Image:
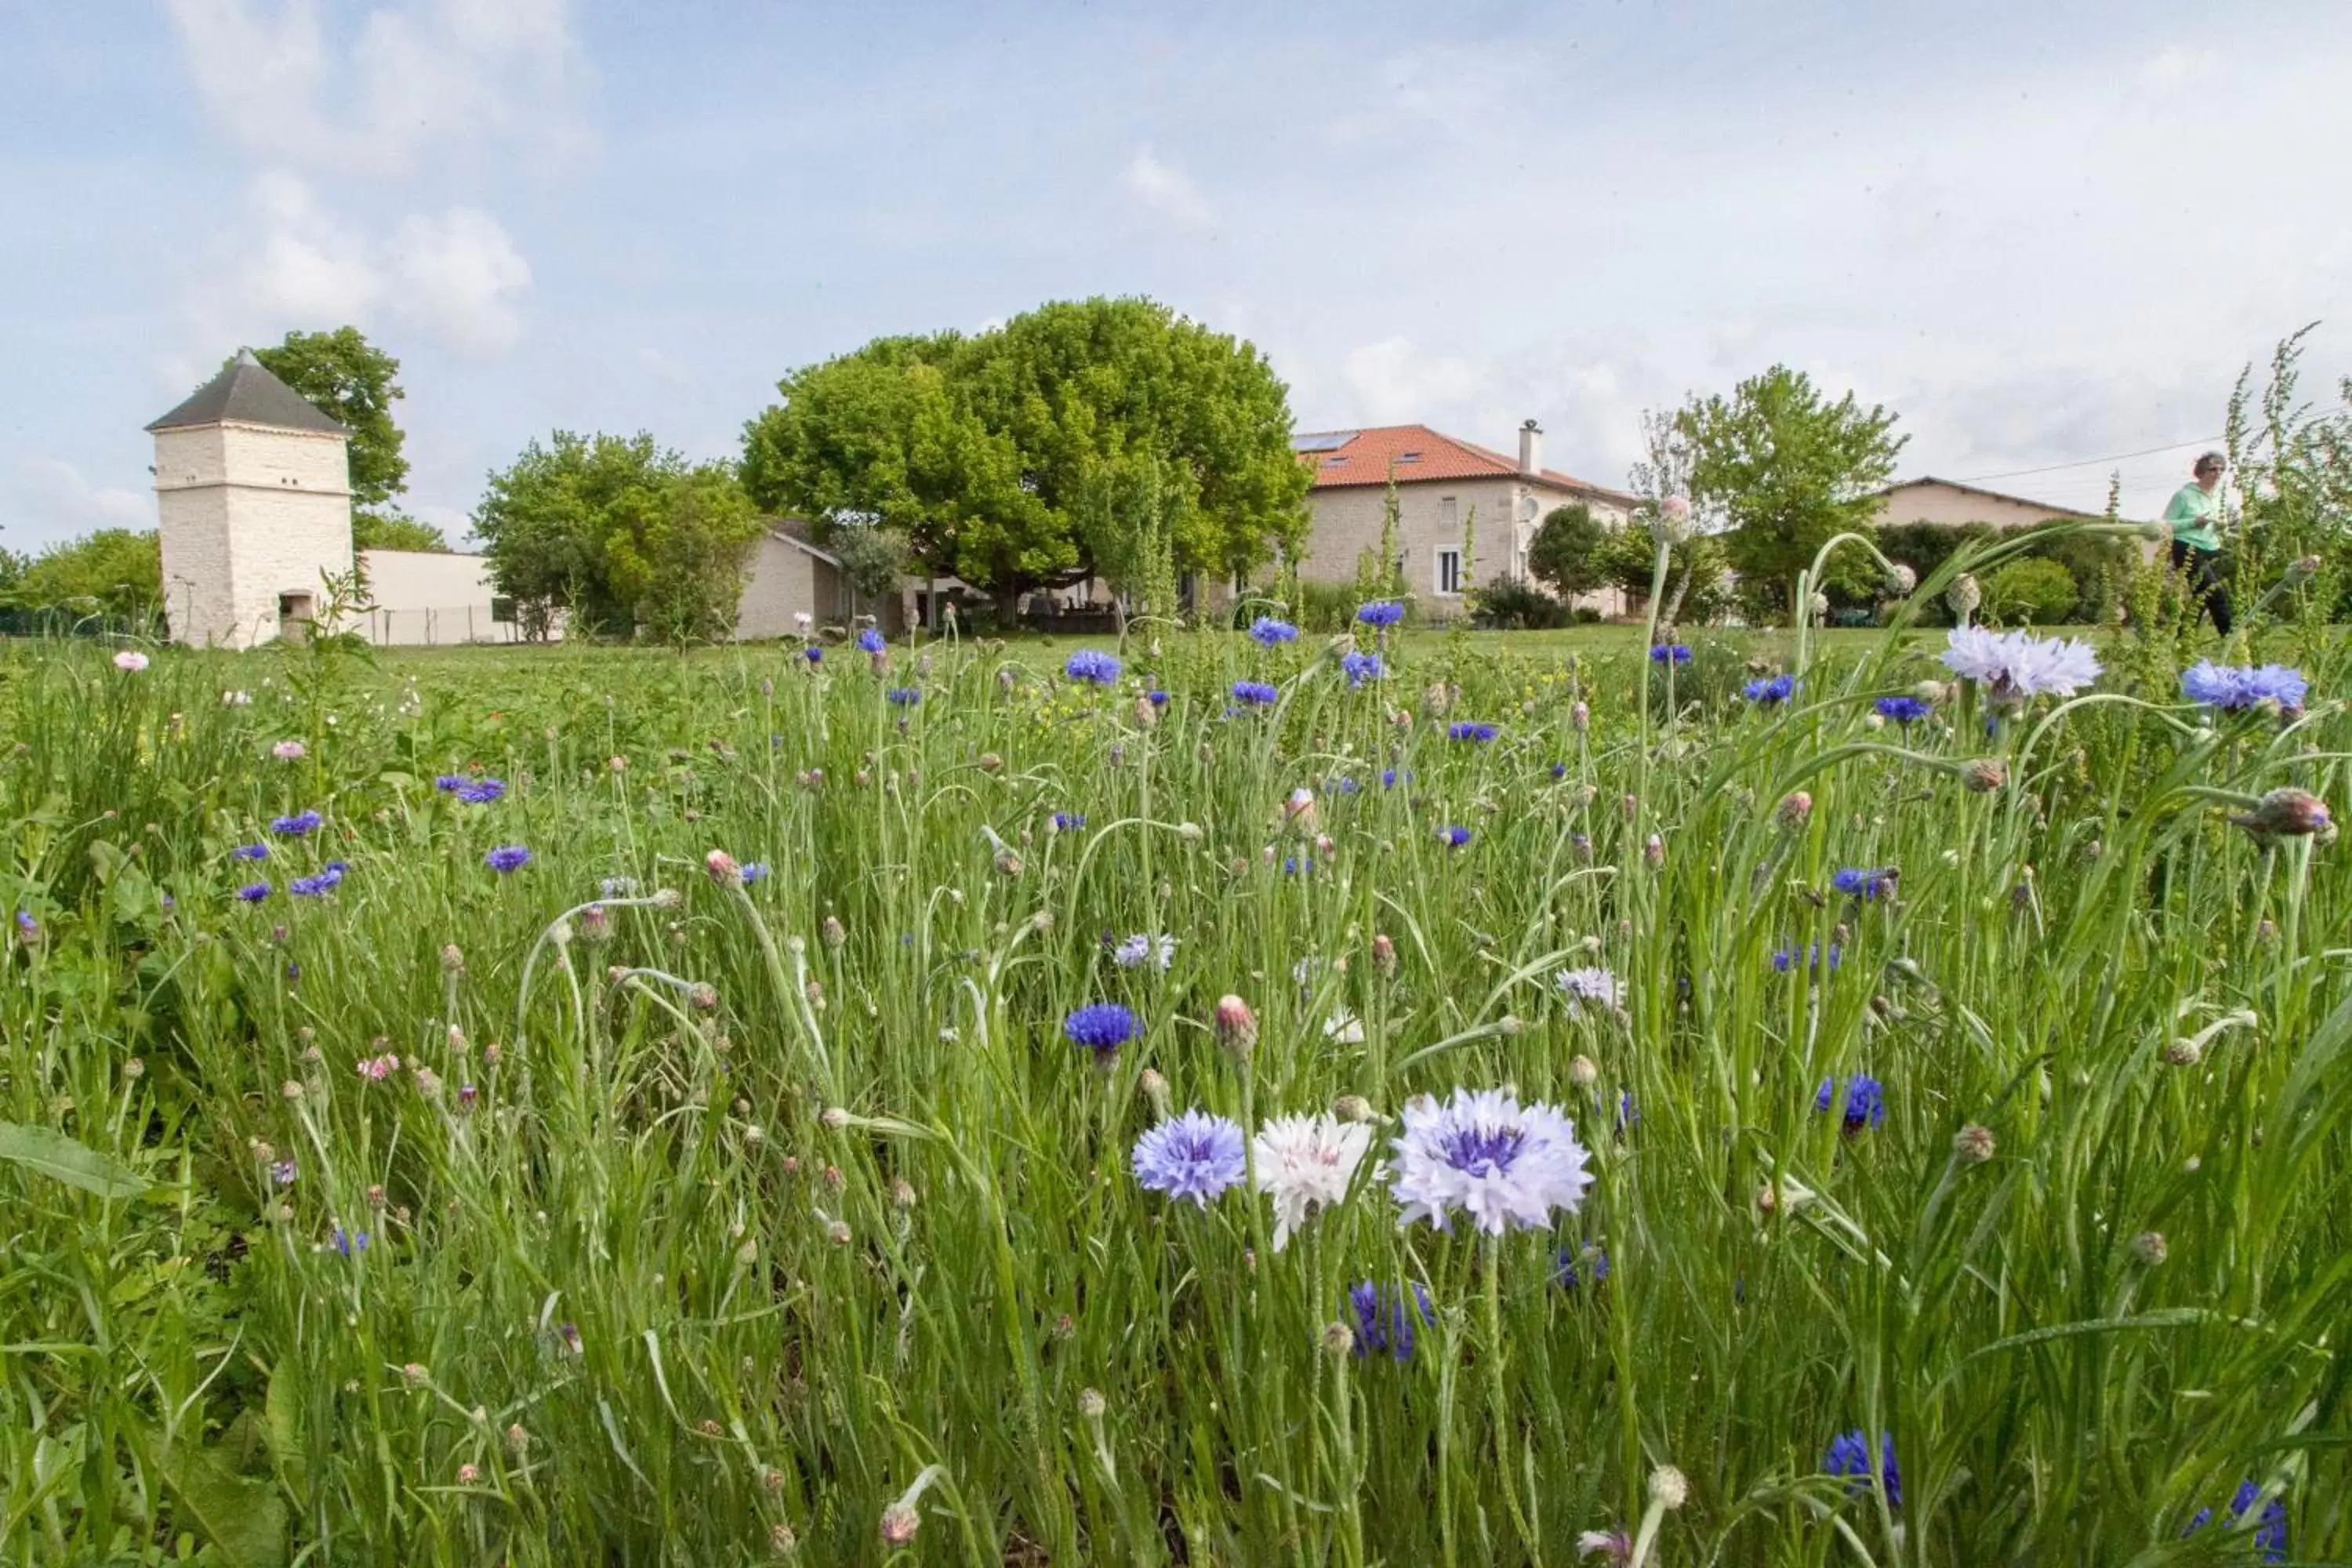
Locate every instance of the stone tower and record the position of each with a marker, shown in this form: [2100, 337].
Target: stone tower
[254, 504]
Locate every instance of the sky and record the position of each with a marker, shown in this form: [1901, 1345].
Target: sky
[2042, 234]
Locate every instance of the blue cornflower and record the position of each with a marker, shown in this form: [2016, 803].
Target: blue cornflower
[2270, 1535]
[507, 858]
[904, 695]
[250, 852]
[1849, 1455]
[1670, 653]
[327, 878]
[1068, 821]
[2242, 686]
[1391, 777]
[1360, 668]
[871, 641]
[1101, 1027]
[1786, 959]
[481, 792]
[1865, 884]
[1256, 693]
[1765, 693]
[1467, 731]
[813, 654]
[1090, 665]
[1383, 1321]
[1195, 1155]
[1565, 1270]
[1560, 770]
[1454, 838]
[283, 1173]
[253, 892]
[447, 783]
[1865, 1104]
[26, 926]
[1271, 633]
[1344, 785]
[1156, 699]
[752, 870]
[1381, 613]
[349, 1243]
[1903, 710]
[298, 824]
[1292, 865]
[1629, 1115]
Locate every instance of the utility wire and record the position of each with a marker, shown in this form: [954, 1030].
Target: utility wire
[2091, 462]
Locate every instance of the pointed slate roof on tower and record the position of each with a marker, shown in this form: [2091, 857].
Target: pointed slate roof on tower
[247, 394]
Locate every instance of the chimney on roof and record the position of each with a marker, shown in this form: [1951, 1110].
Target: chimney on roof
[1531, 449]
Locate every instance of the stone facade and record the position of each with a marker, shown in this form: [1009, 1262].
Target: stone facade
[1433, 520]
[250, 519]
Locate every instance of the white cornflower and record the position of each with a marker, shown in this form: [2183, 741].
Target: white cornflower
[1141, 948]
[1305, 1160]
[1484, 1154]
[1344, 1029]
[1596, 985]
[2015, 666]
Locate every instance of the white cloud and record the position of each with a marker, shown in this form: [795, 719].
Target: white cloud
[1167, 189]
[57, 501]
[1396, 382]
[308, 265]
[458, 278]
[2178, 65]
[428, 72]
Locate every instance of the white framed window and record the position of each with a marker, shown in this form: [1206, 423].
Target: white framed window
[1449, 573]
[1449, 512]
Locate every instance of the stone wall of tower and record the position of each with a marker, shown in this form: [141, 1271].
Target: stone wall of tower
[247, 513]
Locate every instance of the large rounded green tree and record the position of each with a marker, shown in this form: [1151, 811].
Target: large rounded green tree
[1098, 436]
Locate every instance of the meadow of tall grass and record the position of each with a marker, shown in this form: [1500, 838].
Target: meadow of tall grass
[1965, 1099]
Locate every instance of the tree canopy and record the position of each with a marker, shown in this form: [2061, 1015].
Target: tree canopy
[118, 571]
[1788, 470]
[619, 534]
[351, 382]
[1027, 454]
[1565, 550]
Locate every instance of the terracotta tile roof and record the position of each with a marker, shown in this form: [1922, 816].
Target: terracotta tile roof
[1362, 457]
[1887, 495]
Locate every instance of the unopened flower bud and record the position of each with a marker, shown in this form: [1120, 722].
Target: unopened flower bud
[1984, 774]
[1384, 956]
[1155, 1091]
[453, 962]
[834, 934]
[1674, 518]
[1669, 1489]
[723, 868]
[1654, 850]
[2302, 569]
[2184, 1053]
[1584, 1072]
[2287, 812]
[902, 1193]
[1353, 1107]
[702, 996]
[833, 1118]
[1796, 809]
[1973, 1143]
[1964, 596]
[1900, 580]
[2149, 1247]
[837, 1232]
[1236, 1026]
[780, 1539]
[1580, 717]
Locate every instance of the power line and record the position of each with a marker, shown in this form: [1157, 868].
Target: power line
[2090, 462]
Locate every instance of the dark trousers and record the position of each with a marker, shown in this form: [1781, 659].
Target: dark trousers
[2204, 570]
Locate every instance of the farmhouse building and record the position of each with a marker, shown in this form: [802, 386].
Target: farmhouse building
[1465, 513]
[1948, 502]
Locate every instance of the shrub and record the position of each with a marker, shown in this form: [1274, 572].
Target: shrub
[2033, 590]
[1516, 606]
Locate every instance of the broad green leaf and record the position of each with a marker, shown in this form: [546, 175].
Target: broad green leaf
[52, 1153]
[282, 1410]
[244, 1519]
